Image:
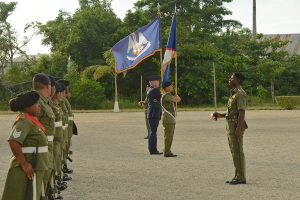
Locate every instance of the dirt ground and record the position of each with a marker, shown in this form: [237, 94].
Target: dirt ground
[111, 159]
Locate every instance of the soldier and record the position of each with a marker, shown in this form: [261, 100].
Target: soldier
[65, 145]
[236, 126]
[153, 113]
[144, 105]
[29, 145]
[42, 84]
[169, 117]
[58, 139]
[65, 95]
[57, 155]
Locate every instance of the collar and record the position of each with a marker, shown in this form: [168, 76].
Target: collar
[43, 98]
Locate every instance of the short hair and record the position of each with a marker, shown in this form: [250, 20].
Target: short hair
[239, 76]
[38, 86]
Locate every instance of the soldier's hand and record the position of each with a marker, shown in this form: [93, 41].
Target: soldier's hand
[215, 116]
[238, 132]
[28, 170]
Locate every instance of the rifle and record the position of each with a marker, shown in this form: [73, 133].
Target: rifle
[29, 188]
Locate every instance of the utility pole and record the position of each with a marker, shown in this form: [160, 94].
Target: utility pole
[254, 30]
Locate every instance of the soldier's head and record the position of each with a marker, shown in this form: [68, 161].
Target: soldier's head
[58, 90]
[236, 79]
[26, 102]
[42, 83]
[52, 80]
[65, 84]
[154, 81]
[167, 86]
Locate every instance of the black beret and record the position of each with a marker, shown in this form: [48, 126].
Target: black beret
[52, 80]
[42, 78]
[64, 81]
[239, 76]
[58, 87]
[24, 100]
[166, 84]
[154, 78]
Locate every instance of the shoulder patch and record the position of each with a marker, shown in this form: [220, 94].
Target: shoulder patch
[16, 134]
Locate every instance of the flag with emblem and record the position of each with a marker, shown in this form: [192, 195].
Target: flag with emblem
[136, 47]
[170, 51]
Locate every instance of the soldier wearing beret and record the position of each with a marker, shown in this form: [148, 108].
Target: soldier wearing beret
[169, 117]
[65, 95]
[42, 84]
[153, 113]
[236, 126]
[29, 144]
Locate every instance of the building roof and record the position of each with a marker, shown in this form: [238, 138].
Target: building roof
[293, 47]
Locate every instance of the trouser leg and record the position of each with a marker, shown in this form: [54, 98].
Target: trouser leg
[236, 147]
[168, 137]
[152, 141]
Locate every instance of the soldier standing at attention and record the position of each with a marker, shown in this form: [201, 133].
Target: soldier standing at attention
[153, 113]
[29, 145]
[169, 117]
[65, 95]
[62, 104]
[58, 140]
[236, 126]
[42, 84]
[145, 105]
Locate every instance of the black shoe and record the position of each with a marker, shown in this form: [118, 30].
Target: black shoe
[156, 153]
[50, 197]
[67, 171]
[69, 159]
[67, 178]
[146, 138]
[237, 182]
[61, 187]
[59, 197]
[170, 155]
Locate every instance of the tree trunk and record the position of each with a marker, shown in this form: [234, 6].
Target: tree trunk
[272, 91]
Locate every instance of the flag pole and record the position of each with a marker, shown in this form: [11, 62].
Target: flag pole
[141, 87]
[176, 71]
[116, 106]
[161, 55]
[176, 80]
[215, 87]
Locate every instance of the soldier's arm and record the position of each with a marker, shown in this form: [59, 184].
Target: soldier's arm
[176, 99]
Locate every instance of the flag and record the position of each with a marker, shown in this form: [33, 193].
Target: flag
[170, 51]
[136, 47]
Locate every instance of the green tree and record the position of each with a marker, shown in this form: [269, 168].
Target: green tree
[85, 35]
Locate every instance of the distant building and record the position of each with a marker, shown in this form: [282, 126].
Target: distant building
[293, 47]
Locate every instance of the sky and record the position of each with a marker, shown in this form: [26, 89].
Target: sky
[273, 16]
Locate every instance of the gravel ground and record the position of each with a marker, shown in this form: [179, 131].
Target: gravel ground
[111, 159]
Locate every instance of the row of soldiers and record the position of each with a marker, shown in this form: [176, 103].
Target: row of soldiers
[40, 141]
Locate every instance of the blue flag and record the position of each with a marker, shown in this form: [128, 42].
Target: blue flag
[136, 47]
[170, 51]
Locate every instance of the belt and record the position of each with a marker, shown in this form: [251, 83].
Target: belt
[50, 138]
[65, 126]
[58, 124]
[43, 149]
[71, 118]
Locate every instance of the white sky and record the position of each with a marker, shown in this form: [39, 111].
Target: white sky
[273, 16]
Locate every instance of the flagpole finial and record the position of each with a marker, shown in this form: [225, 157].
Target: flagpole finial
[158, 10]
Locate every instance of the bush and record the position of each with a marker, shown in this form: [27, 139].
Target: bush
[87, 94]
[288, 102]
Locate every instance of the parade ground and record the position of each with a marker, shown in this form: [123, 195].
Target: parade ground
[111, 160]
